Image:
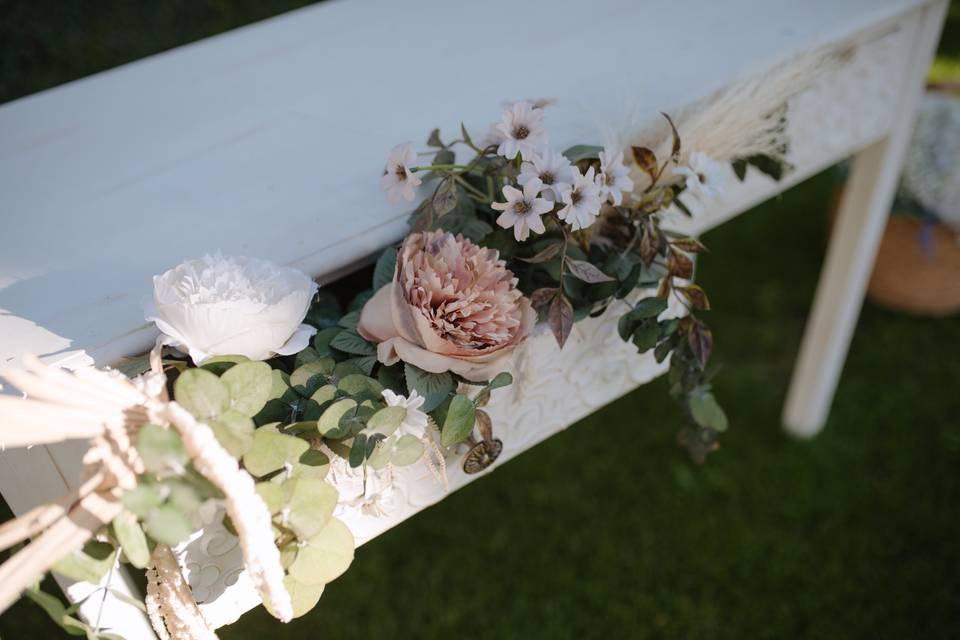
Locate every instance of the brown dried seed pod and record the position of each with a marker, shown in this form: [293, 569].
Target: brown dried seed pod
[482, 455]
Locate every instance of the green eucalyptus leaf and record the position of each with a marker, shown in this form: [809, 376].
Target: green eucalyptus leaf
[344, 369]
[303, 597]
[460, 418]
[161, 449]
[649, 308]
[132, 539]
[272, 495]
[312, 464]
[358, 450]
[307, 355]
[310, 505]
[234, 432]
[218, 365]
[386, 420]
[270, 451]
[360, 385]
[502, 379]
[249, 384]
[201, 393]
[645, 336]
[434, 387]
[706, 411]
[329, 422]
[325, 556]
[407, 450]
[311, 376]
[168, 525]
[88, 564]
[583, 152]
[142, 499]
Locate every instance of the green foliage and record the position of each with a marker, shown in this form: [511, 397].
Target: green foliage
[270, 451]
[457, 421]
[434, 387]
[160, 449]
[325, 556]
[88, 564]
[132, 539]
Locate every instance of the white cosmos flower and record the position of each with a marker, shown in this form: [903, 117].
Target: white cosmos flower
[613, 178]
[415, 421]
[523, 209]
[552, 169]
[705, 177]
[582, 200]
[220, 305]
[397, 179]
[522, 130]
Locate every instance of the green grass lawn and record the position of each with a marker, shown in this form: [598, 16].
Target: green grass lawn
[606, 529]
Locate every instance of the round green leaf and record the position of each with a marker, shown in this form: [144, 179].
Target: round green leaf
[168, 525]
[234, 432]
[359, 384]
[132, 539]
[217, 365]
[707, 412]
[407, 450]
[309, 377]
[304, 597]
[270, 451]
[381, 454]
[201, 393]
[386, 420]
[325, 556]
[311, 503]
[329, 422]
[160, 448]
[272, 495]
[249, 384]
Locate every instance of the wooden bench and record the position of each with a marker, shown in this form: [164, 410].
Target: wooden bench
[268, 140]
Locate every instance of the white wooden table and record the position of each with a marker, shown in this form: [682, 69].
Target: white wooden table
[268, 141]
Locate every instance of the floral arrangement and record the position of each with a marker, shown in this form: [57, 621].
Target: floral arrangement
[262, 389]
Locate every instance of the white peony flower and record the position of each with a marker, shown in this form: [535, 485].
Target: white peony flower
[522, 130]
[415, 422]
[613, 178]
[219, 305]
[523, 209]
[705, 177]
[552, 169]
[397, 179]
[582, 200]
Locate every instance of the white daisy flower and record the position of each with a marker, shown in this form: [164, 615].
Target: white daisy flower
[552, 169]
[705, 177]
[523, 209]
[397, 179]
[415, 422]
[582, 200]
[613, 178]
[522, 130]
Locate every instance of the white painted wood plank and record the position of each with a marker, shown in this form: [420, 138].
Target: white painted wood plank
[268, 140]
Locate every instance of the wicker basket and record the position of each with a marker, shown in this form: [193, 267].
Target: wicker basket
[910, 277]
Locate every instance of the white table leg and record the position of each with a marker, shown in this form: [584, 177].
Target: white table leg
[853, 246]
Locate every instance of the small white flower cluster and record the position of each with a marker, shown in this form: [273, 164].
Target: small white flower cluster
[549, 178]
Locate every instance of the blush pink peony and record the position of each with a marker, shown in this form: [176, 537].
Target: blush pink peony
[452, 306]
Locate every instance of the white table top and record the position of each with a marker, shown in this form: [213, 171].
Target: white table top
[269, 140]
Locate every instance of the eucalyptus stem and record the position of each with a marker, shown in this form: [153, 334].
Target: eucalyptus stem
[439, 167]
[469, 187]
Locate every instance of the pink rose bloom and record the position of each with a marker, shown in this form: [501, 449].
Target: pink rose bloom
[452, 306]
